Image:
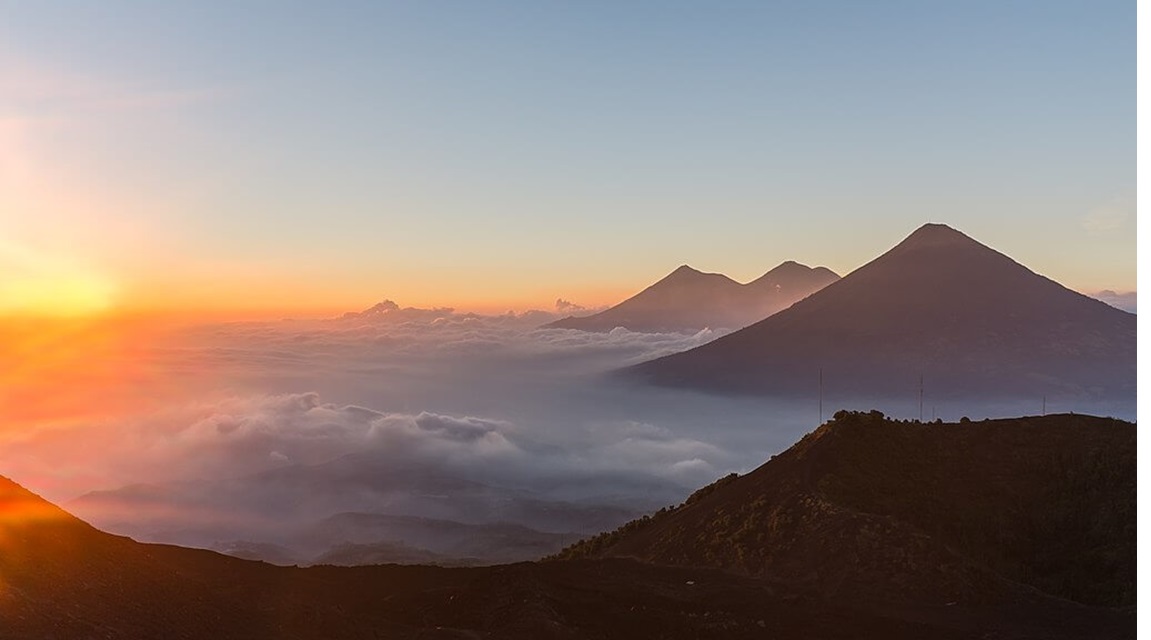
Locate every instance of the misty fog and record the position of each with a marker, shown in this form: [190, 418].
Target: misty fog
[268, 429]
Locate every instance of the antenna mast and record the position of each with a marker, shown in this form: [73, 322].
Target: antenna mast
[921, 397]
[821, 395]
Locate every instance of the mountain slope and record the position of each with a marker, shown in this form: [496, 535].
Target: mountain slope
[940, 305]
[48, 558]
[870, 509]
[689, 300]
[64, 579]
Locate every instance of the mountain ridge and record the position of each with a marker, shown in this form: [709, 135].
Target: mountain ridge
[875, 509]
[939, 304]
[688, 300]
[115, 587]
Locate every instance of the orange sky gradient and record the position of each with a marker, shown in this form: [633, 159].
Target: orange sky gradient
[281, 181]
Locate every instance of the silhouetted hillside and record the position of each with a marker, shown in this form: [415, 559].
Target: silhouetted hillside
[65, 579]
[689, 300]
[970, 320]
[868, 508]
[451, 542]
[351, 554]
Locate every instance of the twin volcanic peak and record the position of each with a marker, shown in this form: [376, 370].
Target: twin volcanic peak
[690, 300]
[939, 306]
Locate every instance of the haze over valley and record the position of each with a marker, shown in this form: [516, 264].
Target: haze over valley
[270, 431]
[520, 320]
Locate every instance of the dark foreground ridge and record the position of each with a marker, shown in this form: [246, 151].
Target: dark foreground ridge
[871, 509]
[866, 528]
[971, 321]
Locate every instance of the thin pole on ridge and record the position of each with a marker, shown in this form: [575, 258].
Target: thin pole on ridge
[821, 395]
[921, 397]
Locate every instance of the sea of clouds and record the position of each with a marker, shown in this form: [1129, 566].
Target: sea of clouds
[497, 400]
[246, 430]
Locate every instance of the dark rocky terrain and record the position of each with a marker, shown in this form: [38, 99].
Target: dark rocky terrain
[971, 321]
[869, 509]
[866, 528]
[687, 300]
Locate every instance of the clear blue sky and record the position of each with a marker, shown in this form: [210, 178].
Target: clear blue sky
[508, 153]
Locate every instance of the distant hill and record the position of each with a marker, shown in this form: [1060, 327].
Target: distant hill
[302, 511]
[1126, 301]
[968, 319]
[350, 539]
[350, 554]
[687, 300]
[474, 543]
[874, 510]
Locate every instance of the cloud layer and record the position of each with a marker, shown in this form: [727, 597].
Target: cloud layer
[491, 398]
[253, 427]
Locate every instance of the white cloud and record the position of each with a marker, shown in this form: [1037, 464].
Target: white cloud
[494, 400]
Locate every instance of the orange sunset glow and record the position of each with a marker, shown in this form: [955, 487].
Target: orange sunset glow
[68, 368]
[79, 295]
[569, 321]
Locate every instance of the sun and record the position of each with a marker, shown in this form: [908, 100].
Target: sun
[57, 295]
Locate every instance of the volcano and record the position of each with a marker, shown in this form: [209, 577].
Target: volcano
[938, 307]
[688, 300]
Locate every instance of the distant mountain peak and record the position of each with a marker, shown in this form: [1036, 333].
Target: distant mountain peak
[688, 299]
[933, 234]
[389, 310]
[687, 276]
[684, 271]
[788, 267]
[939, 305]
[791, 274]
[387, 306]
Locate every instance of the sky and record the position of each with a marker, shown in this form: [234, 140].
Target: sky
[238, 158]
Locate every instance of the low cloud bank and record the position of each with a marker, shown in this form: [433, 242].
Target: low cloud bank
[400, 411]
[444, 414]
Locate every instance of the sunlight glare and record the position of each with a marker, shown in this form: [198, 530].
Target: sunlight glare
[70, 295]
